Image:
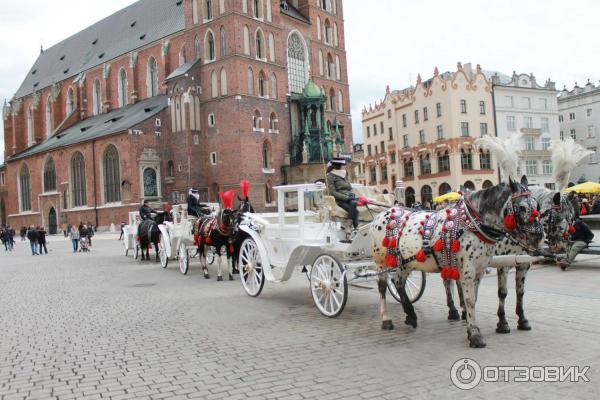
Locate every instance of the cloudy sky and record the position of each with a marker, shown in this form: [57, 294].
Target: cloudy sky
[388, 41]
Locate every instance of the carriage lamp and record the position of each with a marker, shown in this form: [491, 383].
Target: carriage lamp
[400, 192]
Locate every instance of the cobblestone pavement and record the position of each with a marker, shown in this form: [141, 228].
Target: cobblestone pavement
[100, 325]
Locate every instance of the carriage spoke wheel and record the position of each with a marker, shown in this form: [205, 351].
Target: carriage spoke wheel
[184, 258]
[414, 286]
[162, 252]
[328, 286]
[252, 274]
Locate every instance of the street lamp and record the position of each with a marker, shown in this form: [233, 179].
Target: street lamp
[400, 192]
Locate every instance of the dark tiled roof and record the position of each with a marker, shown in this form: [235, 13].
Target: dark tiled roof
[140, 24]
[116, 121]
[293, 12]
[182, 69]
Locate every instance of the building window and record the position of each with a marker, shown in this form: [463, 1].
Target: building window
[271, 48]
[571, 116]
[547, 167]
[2, 179]
[112, 177]
[510, 101]
[425, 114]
[368, 131]
[250, 79]
[257, 121]
[483, 129]
[170, 169]
[273, 123]
[573, 134]
[408, 168]
[393, 158]
[591, 132]
[209, 46]
[544, 104]
[246, 41]
[444, 162]
[374, 130]
[421, 136]
[463, 106]
[30, 126]
[384, 173]
[562, 135]
[269, 198]
[214, 84]
[440, 132]
[196, 140]
[266, 155]
[182, 56]
[257, 9]
[528, 122]
[49, 175]
[97, 97]
[438, 109]
[330, 67]
[373, 174]
[332, 101]
[150, 183]
[405, 140]
[328, 32]
[195, 11]
[208, 14]
[391, 134]
[510, 123]
[389, 114]
[527, 102]
[482, 107]
[297, 65]
[212, 120]
[588, 112]
[382, 146]
[152, 78]
[70, 102]
[25, 188]
[223, 42]
[416, 116]
[466, 159]
[545, 124]
[213, 158]
[545, 143]
[485, 160]
[404, 120]
[197, 48]
[122, 88]
[262, 84]
[78, 192]
[260, 45]
[531, 167]
[224, 89]
[425, 164]
[594, 155]
[560, 118]
[529, 143]
[48, 116]
[464, 129]
[369, 150]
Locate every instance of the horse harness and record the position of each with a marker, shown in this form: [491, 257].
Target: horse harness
[206, 227]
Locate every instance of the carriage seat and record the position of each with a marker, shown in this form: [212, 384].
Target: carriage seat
[365, 214]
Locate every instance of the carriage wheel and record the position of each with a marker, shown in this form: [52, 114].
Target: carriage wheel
[252, 274]
[210, 255]
[184, 258]
[415, 286]
[162, 252]
[328, 286]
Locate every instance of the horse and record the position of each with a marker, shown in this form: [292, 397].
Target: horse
[220, 231]
[149, 233]
[464, 234]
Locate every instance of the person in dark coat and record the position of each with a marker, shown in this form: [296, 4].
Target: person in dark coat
[32, 235]
[42, 240]
[146, 211]
[23, 233]
[596, 206]
[91, 232]
[341, 190]
[194, 207]
[580, 239]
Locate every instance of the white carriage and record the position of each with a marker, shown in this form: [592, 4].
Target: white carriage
[130, 242]
[307, 235]
[177, 238]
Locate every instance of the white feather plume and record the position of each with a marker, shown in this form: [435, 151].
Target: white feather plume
[566, 155]
[507, 152]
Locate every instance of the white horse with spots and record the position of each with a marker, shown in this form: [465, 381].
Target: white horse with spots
[403, 240]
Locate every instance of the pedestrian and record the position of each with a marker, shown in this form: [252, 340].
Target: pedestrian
[4, 238]
[64, 229]
[80, 228]
[596, 205]
[585, 207]
[32, 235]
[23, 233]
[74, 235]
[69, 228]
[580, 239]
[42, 240]
[11, 235]
[122, 230]
[91, 233]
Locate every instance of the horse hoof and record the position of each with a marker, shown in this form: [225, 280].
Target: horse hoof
[235, 271]
[502, 327]
[464, 316]
[476, 341]
[230, 277]
[524, 326]
[411, 321]
[206, 276]
[453, 315]
[387, 325]
[219, 279]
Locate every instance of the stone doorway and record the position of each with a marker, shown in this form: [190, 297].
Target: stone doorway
[52, 222]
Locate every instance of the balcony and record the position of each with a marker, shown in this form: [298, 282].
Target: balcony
[531, 131]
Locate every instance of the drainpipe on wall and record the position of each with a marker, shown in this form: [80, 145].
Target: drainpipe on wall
[95, 188]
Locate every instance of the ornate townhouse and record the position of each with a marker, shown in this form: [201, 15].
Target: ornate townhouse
[579, 116]
[168, 94]
[424, 135]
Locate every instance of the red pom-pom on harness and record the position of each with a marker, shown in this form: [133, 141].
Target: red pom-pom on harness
[571, 229]
[421, 256]
[245, 188]
[390, 261]
[208, 241]
[386, 241]
[231, 248]
[510, 222]
[227, 198]
[455, 246]
[393, 243]
[438, 246]
[197, 240]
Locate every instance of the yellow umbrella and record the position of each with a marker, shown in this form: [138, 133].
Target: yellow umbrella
[451, 196]
[587, 187]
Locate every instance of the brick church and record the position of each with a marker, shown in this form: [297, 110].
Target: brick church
[170, 94]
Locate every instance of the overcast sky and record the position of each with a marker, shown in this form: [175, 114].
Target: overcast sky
[388, 41]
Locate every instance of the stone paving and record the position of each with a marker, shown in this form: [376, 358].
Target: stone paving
[100, 325]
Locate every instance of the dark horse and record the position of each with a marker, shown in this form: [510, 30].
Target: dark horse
[149, 234]
[221, 231]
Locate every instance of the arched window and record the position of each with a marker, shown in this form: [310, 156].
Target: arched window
[170, 169]
[70, 101]
[246, 41]
[335, 34]
[271, 47]
[469, 185]
[197, 48]
[257, 120]
[487, 184]
[297, 63]
[269, 197]
[409, 196]
[260, 45]
[122, 88]
[444, 188]
[338, 70]
[250, 78]
[25, 188]
[273, 86]
[319, 28]
[49, 175]
[214, 83]
[152, 78]
[273, 123]
[150, 183]
[324, 5]
[321, 63]
[48, 116]
[112, 177]
[223, 42]
[330, 67]
[78, 189]
[30, 126]
[426, 195]
[97, 97]
[208, 14]
[257, 8]
[209, 45]
[328, 32]
[266, 155]
[182, 56]
[332, 99]
[223, 82]
[340, 101]
[195, 11]
[262, 84]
